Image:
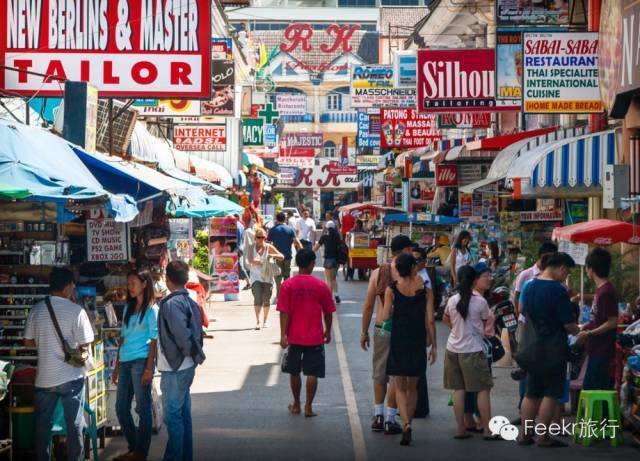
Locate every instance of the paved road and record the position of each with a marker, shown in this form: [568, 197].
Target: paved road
[240, 402]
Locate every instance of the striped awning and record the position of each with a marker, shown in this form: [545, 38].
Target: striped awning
[572, 167]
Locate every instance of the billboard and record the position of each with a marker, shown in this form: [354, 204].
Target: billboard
[291, 104]
[458, 81]
[372, 86]
[167, 107]
[561, 73]
[125, 48]
[368, 134]
[408, 128]
[328, 174]
[200, 138]
[509, 65]
[532, 12]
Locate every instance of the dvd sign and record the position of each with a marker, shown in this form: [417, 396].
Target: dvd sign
[446, 175]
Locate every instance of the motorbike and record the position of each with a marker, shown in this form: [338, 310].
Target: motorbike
[505, 314]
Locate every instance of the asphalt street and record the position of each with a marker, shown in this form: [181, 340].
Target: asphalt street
[240, 398]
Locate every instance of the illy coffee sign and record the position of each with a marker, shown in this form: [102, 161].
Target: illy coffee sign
[456, 80]
[446, 175]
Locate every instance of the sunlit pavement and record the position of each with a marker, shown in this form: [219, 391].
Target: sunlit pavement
[240, 397]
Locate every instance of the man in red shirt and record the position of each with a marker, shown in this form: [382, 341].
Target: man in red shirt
[303, 303]
[348, 223]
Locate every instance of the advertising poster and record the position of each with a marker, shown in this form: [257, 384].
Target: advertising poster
[532, 12]
[223, 72]
[408, 128]
[368, 134]
[458, 81]
[222, 48]
[561, 73]
[167, 107]
[404, 68]
[466, 205]
[253, 131]
[225, 273]
[509, 65]
[291, 104]
[223, 245]
[115, 45]
[179, 244]
[221, 103]
[464, 120]
[200, 138]
[106, 240]
[446, 175]
[302, 140]
[372, 86]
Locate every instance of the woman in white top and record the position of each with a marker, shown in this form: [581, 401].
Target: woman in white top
[460, 255]
[257, 259]
[466, 368]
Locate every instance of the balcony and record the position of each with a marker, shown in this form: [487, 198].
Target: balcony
[339, 117]
[306, 118]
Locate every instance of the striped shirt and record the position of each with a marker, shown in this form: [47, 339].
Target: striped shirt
[76, 329]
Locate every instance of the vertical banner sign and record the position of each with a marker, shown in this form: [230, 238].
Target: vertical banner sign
[106, 240]
[408, 128]
[561, 73]
[223, 245]
[368, 135]
[458, 81]
[125, 48]
[253, 131]
[509, 65]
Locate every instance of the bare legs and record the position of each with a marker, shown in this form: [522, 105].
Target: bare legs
[296, 387]
[458, 411]
[464, 420]
[330, 277]
[407, 395]
[484, 408]
[265, 312]
[545, 408]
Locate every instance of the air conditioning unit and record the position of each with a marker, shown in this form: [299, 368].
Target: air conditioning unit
[122, 126]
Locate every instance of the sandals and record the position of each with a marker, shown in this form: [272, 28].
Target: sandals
[406, 436]
[492, 438]
[463, 436]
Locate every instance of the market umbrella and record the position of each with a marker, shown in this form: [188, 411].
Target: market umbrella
[599, 232]
[8, 192]
[212, 206]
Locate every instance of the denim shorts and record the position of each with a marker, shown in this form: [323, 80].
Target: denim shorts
[330, 263]
[261, 293]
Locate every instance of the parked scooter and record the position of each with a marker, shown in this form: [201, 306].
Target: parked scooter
[505, 314]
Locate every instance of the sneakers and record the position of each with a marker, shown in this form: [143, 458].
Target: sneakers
[378, 424]
[392, 428]
[337, 299]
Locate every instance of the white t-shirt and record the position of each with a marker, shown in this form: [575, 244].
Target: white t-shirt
[76, 329]
[425, 278]
[467, 335]
[293, 222]
[163, 365]
[305, 228]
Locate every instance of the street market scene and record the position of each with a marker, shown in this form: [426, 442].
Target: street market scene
[301, 229]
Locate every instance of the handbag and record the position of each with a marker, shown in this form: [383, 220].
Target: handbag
[543, 350]
[78, 357]
[270, 268]
[493, 348]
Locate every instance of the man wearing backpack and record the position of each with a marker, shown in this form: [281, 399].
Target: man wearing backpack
[379, 281]
[179, 352]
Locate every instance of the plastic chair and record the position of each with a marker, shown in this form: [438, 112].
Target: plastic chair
[59, 427]
[590, 418]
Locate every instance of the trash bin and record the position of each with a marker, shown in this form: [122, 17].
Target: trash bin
[23, 420]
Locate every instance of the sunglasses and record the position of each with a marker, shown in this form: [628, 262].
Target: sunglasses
[260, 238]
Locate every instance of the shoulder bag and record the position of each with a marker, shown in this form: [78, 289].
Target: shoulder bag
[544, 350]
[78, 358]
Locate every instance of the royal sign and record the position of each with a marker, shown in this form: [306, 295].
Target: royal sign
[408, 128]
[446, 175]
[200, 138]
[126, 48]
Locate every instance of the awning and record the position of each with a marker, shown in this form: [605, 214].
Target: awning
[47, 166]
[572, 167]
[454, 153]
[139, 181]
[210, 207]
[421, 219]
[251, 159]
[500, 142]
[502, 162]
[205, 169]
[599, 232]
[8, 192]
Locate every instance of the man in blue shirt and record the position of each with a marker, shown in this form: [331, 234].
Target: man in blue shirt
[283, 237]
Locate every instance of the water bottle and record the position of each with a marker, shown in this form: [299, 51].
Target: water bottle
[585, 314]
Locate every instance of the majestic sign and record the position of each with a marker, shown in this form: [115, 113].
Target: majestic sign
[167, 107]
[446, 175]
[126, 48]
[200, 138]
[509, 65]
[408, 128]
[404, 68]
[253, 131]
[368, 134]
[293, 141]
[106, 240]
[457, 81]
[541, 13]
[372, 86]
[291, 104]
[561, 73]
[464, 120]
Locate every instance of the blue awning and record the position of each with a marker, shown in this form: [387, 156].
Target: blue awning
[212, 206]
[46, 165]
[421, 219]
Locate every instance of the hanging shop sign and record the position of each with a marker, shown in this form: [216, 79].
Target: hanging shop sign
[368, 134]
[404, 69]
[464, 120]
[372, 86]
[291, 104]
[446, 175]
[509, 65]
[270, 136]
[223, 72]
[328, 174]
[299, 162]
[458, 81]
[222, 48]
[126, 48]
[167, 107]
[253, 131]
[368, 160]
[561, 73]
[577, 251]
[107, 240]
[294, 141]
[541, 13]
[533, 216]
[200, 138]
[407, 128]
[221, 103]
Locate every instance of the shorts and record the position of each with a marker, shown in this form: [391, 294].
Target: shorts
[381, 347]
[285, 268]
[330, 263]
[551, 384]
[261, 293]
[467, 371]
[597, 376]
[308, 359]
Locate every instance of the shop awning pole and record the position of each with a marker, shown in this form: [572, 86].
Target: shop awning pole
[581, 286]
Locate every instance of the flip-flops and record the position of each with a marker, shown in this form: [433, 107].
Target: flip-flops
[462, 437]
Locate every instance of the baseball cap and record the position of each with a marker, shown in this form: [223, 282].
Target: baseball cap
[400, 242]
[481, 268]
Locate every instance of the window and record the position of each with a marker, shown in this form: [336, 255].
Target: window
[401, 2]
[360, 3]
[329, 149]
[334, 101]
